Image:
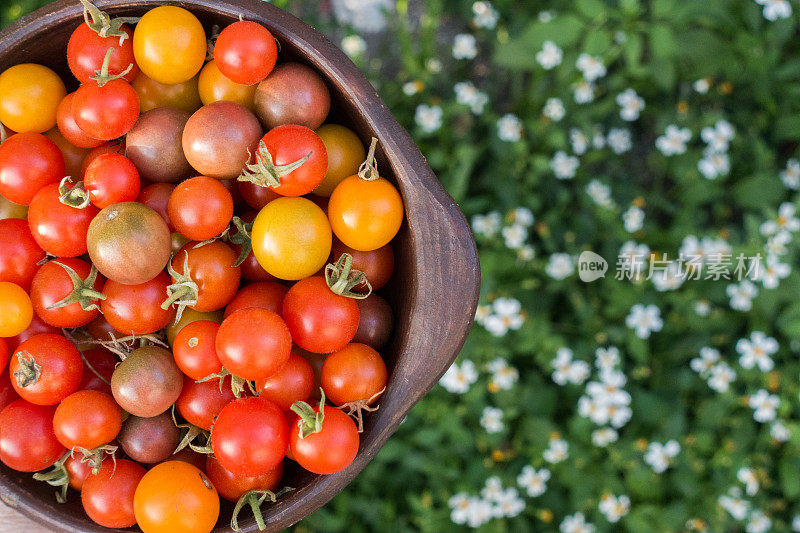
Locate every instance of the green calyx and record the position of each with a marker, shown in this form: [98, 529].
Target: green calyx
[342, 279]
[184, 291]
[83, 292]
[76, 196]
[255, 498]
[368, 170]
[242, 238]
[102, 76]
[238, 384]
[265, 172]
[103, 25]
[310, 420]
[29, 370]
[189, 434]
[57, 477]
[96, 456]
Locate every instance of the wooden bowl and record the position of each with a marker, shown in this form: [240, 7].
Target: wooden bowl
[435, 288]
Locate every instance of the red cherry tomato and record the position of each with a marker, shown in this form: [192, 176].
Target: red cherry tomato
[194, 349]
[70, 129]
[111, 179]
[28, 162]
[232, 487]
[86, 51]
[250, 437]
[27, 440]
[19, 253]
[103, 362]
[3, 354]
[256, 196]
[252, 356]
[87, 419]
[106, 112]
[264, 294]
[356, 373]
[289, 144]
[45, 369]
[136, 309]
[78, 471]
[156, 197]
[108, 495]
[59, 229]
[319, 320]
[200, 208]
[330, 450]
[52, 284]
[200, 403]
[106, 148]
[211, 268]
[377, 265]
[7, 392]
[294, 382]
[245, 52]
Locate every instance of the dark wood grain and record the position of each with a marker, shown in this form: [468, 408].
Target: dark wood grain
[435, 288]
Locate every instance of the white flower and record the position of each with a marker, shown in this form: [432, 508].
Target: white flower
[575, 523]
[791, 175]
[428, 117]
[702, 85]
[557, 451]
[748, 477]
[619, 139]
[796, 523]
[703, 250]
[779, 431]
[509, 128]
[741, 295]
[579, 141]
[644, 320]
[785, 221]
[702, 307]
[546, 16]
[354, 45]
[526, 253]
[606, 358]
[598, 139]
[458, 379]
[764, 404]
[467, 94]
[554, 109]
[674, 140]
[633, 219]
[776, 244]
[708, 358]
[487, 225]
[465, 46]
[433, 65]
[776, 9]
[366, 16]
[480, 511]
[614, 507]
[565, 370]
[482, 312]
[459, 505]
[492, 420]
[718, 136]
[734, 504]
[757, 351]
[583, 92]
[515, 236]
[508, 503]
[721, 376]
[523, 216]
[410, 88]
[659, 456]
[533, 481]
[668, 278]
[631, 105]
[549, 57]
[600, 193]
[560, 266]
[759, 522]
[591, 67]
[484, 15]
[492, 489]
[604, 436]
[774, 272]
[507, 316]
[713, 165]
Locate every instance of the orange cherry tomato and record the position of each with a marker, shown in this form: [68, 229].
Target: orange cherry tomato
[214, 87]
[365, 215]
[345, 155]
[16, 310]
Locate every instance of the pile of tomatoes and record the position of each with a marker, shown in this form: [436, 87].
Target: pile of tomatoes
[187, 259]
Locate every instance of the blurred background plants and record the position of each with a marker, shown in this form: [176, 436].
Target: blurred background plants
[650, 131]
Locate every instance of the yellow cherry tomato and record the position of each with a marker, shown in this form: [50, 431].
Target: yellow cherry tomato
[170, 45]
[215, 87]
[291, 238]
[9, 209]
[175, 496]
[365, 215]
[16, 311]
[153, 94]
[29, 98]
[345, 155]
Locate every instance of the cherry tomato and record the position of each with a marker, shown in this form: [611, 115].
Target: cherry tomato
[353, 374]
[106, 112]
[290, 144]
[78, 471]
[87, 49]
[292, 383]
[111, 179]
[16, 310]
[365, 215]
[293, 94]
[136, 309]
[246, 52]
[7, 392]
[253, 356]
[3, 355]
[45, 369]
[232, 487]
[264, 294]
[250, 436]
[319, 320]
[108, 495]
[169, 44]
[156, 197]
[330, 450]
[36, 327]
[59, 229]
[103, 362]
[345, 155]
[195, 351]
[149, 440]
[215, 87]
[27, 440]
[73, 155]
[70, 129]
[155, 145]
[31, 94]
[107, 148]
[28, 162]
[200, 208]
[211, 268]
[176, 496]
[375, 322]
[190, 315]
[256, 196]
[87, 419]
[291, 238]
[52, 284]
[200, 403]
[19, 253]
[147, 382]
[153, 95]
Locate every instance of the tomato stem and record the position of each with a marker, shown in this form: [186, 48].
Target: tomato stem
[183, 291]
[255, 498]
[368, 170]
[192, 432]
[95, 456]
[265, 172]
[310, 421]
[83, 292]
[237, 383]
[75, 196]
[29, 370]
[103, 25]
[342, 278]
[57, 477]
[356, 409]
[102, 76]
